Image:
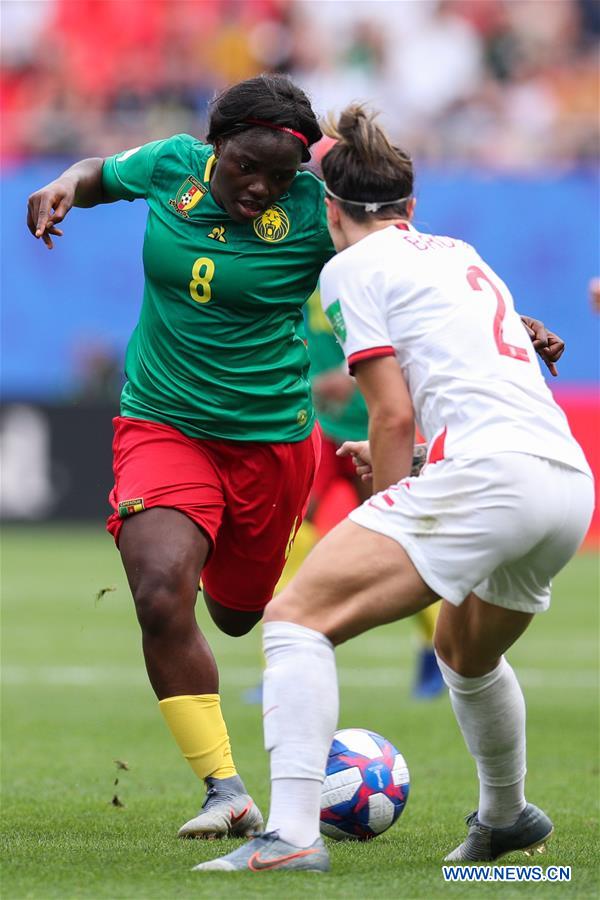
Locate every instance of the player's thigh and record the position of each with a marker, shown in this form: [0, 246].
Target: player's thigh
[163, 552]
[472, 637]
[353, 580]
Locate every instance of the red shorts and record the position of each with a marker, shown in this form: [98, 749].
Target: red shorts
[248, 498]
[331, 468]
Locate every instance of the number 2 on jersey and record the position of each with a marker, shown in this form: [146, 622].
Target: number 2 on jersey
[475, 276]
[203, 271]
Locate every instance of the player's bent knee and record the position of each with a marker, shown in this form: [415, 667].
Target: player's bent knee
[464, 662]
[276, 610]
[450, 651]
[451, 659]
[292, 606]
[285, 607]
[158, 611]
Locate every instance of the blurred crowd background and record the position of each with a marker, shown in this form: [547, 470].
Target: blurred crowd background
[504, 83]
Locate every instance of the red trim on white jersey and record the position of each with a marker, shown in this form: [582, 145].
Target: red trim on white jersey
[371, 353]
[436, 451]
[403, 226]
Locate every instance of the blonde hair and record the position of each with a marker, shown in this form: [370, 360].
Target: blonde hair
[364, 168]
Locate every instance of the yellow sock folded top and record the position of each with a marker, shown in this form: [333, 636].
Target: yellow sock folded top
[196, 722]
[426, 620]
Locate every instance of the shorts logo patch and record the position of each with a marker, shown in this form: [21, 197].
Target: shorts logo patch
[188, 196]
[273, 225]
[129, 507]
[336, 317]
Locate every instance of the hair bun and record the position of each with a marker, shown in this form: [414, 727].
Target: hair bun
[363, 166]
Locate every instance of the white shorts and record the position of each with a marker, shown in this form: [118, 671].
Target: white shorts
[500, 527]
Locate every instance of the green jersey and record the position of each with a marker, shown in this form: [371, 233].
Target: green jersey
[218, 351]
[348, 422]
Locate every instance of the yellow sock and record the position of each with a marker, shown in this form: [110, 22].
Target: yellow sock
[197, 724]
[426, 620]
[306, 538]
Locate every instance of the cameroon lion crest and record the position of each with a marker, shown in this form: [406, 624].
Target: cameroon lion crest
[273, 225]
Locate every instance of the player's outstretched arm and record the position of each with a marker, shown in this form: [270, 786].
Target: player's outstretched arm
[549, 346]
[80, 185]
[391, 419]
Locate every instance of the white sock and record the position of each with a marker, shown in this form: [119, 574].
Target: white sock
[300, 711]
[490, 711]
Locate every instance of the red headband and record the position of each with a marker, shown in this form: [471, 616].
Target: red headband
[297, 134]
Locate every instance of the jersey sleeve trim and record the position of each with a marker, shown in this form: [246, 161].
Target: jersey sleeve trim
[371, 353]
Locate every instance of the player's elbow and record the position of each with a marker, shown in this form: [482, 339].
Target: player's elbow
[399, 423]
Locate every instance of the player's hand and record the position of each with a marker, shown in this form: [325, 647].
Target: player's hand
[549, 346]
[361, 457]
[333, 388]
[47, 207]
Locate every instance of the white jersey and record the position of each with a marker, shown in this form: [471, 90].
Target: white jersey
[471, 369]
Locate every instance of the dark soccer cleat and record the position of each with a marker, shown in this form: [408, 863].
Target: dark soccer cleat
[267, 853]
[483, 844]
[228, 811]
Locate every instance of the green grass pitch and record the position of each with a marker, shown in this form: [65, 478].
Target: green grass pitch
[75, 699]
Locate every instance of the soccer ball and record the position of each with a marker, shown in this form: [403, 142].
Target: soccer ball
[366, 786]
